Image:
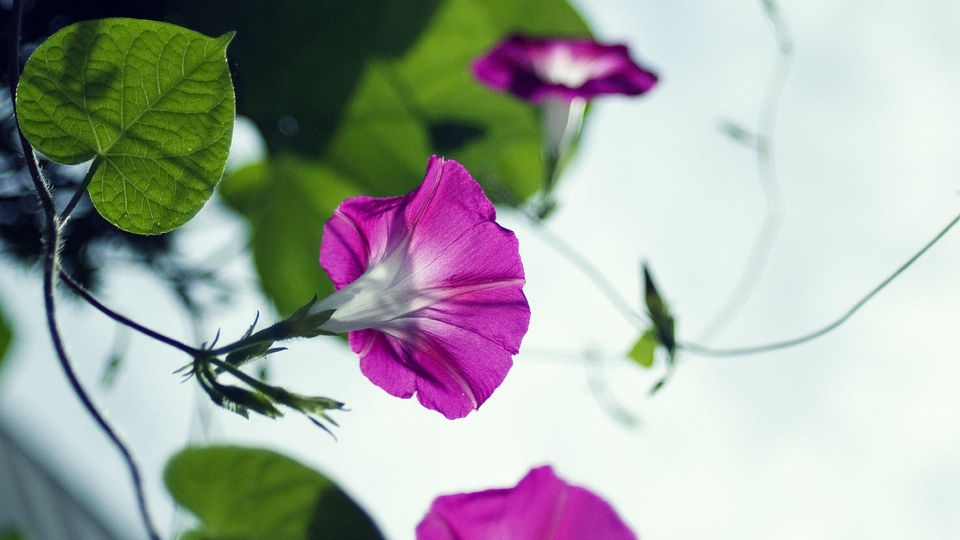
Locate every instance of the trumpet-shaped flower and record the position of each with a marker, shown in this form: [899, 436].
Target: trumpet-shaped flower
[535, 69]
[540, 507]
[429, 288]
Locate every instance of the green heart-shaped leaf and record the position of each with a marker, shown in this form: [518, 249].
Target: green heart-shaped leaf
[152, 101]
[248, 493]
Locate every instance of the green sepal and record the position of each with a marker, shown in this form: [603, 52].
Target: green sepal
[304, 324]
[234, 398]
[310, 406]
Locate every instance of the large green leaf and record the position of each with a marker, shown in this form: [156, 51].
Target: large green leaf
[247, 493]
[151, 101]
[370, 90]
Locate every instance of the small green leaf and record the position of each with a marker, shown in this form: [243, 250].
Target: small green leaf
[663, 322]
[152, 102]
[248, 493]
[642, 351]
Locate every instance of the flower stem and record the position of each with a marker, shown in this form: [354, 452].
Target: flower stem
[93, 301]
[51, 244]
[757, 349]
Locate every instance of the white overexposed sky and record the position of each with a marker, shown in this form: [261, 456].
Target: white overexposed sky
[851, 436]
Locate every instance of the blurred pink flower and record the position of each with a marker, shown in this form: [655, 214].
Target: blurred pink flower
[540, 507]
[534, 69]
[429, 288]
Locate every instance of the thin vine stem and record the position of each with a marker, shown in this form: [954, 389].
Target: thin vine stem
[588, 269]
[102, 308]
[275, 332]
[51, 244]
[766, 172]
[757, 349]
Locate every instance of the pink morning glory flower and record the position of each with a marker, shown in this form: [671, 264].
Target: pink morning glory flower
[429, 287]
[535, 69]
[540, 507]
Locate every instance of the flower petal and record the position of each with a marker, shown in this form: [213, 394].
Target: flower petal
[357, 235]
[535, 69]
[449, 279]
[541, 506]
[452, 369]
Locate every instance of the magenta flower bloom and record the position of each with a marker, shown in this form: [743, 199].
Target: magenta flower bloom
[540, 507]
[429, 288]
[534, 69]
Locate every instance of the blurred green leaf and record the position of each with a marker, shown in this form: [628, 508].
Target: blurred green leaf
[247, 493]
[287, 201]
[642, 351]
[11, 534]
[6, 336]
[152, 102]
[663, 322]
[369, 91]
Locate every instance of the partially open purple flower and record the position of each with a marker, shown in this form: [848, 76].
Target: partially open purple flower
[429, 287]
[534, 69]
[540, 507]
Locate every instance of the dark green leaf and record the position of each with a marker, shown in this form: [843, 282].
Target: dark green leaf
[152, 102]
[246, 494]
[642, 351]
[659, 312]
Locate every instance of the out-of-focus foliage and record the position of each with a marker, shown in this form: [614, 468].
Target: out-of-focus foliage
[10, 534]
[247, 493]
[353, 97]
[6, 335]
[643, 349]
[152, 102]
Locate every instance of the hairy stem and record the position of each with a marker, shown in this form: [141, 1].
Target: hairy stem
[51, 244]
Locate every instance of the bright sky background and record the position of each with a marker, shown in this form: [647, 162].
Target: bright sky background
[852, 436]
